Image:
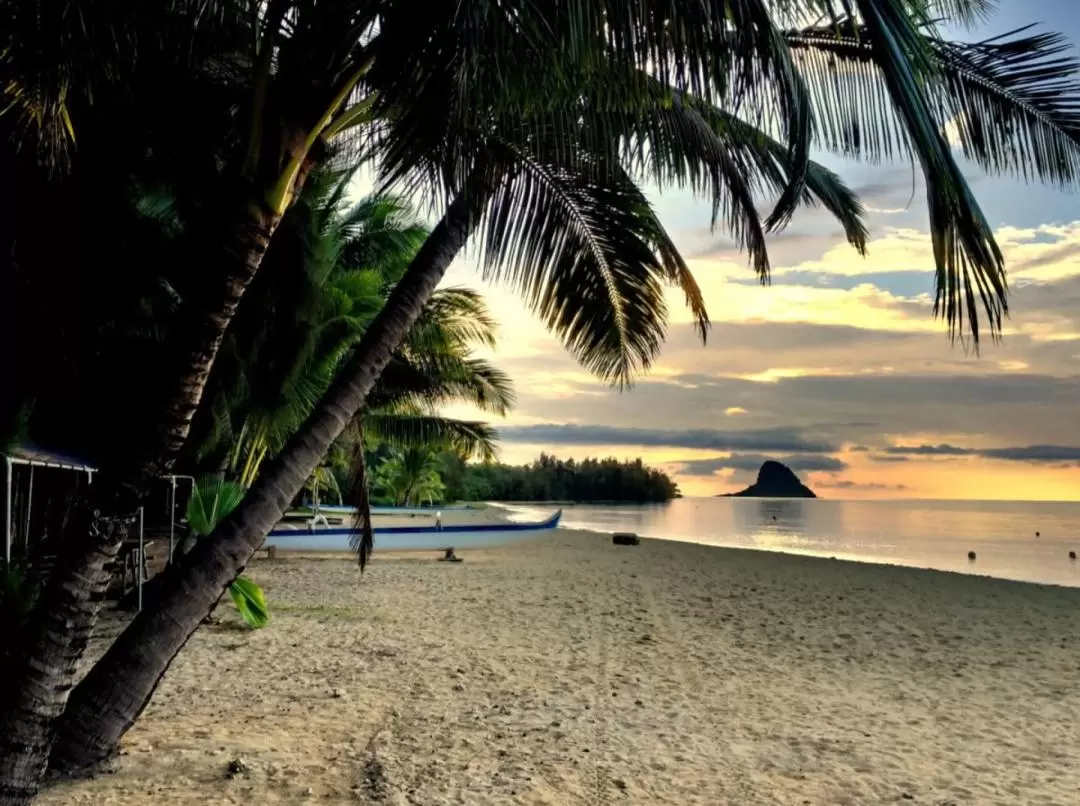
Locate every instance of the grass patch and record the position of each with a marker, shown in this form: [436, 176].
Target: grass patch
[324, 611]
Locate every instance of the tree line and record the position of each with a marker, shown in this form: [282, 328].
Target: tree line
[552, 479]
[185, 287]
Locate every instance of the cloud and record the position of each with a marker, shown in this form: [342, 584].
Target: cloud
[818, 411]
[840, 352]
[1026, 453]
[848, 484]
[752, 462]
[783, 440]
[1051, 256]
[910, 283]
[929, 450]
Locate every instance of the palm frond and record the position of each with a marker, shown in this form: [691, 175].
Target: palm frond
[579, 252]
[672, 144]
[362, 538]
[408, 429]
[440, 378]
[1015, 103]
[879, 102]
[212, 499]
[964, 12]
[1012, 99]
[250, 601]
[766, 159]
[454, 319]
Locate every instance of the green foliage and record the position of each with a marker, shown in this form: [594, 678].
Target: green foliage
[251, 602]
[552, 479]
[212, 499]
[327, 274]
[410, 476]
[591, 106]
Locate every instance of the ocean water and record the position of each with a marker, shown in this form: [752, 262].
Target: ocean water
[922, 534]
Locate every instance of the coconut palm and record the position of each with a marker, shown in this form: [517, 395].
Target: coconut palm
[335, 265]
[318, 72]
[531, 127]
[410, 476]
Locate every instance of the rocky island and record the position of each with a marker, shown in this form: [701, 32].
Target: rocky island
[774, 480]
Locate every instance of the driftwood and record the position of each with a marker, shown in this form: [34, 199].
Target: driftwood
[625, 539]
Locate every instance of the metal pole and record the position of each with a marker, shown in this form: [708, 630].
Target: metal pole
[7, 510]
[172, 515]
[141, 559]
[29, 502]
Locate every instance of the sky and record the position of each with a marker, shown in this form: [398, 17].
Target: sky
[839, 368]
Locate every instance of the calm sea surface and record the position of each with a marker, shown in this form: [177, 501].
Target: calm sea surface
[923, 534]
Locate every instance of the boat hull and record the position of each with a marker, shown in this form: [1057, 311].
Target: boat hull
[336, 538]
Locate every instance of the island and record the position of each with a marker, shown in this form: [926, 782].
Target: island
[774, 480]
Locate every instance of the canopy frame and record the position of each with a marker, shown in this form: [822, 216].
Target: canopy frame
[10, 461]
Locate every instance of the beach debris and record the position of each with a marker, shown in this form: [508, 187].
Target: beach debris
[237, 766]
[971, 556]
[449, 556]
[1072, 555]
[619, 783]
[338, 693]
[1038, 535]
[625, 539]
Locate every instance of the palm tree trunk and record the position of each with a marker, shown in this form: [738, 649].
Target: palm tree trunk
[366, 543]
[109, 700]
[34, 700]
[203, 329]
[68, 610]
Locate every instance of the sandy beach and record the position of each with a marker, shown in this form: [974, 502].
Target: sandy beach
[570, 671]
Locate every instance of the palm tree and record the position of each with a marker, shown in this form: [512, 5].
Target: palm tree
[410, 476]
[295, 71]
[315, 301]
[538, 153]
[315, 74]
[326, 277]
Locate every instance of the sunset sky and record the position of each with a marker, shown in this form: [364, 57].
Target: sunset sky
[839, 369]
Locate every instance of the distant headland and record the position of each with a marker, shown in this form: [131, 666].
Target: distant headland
[774, 480]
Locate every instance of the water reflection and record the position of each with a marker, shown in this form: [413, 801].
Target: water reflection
[937, 534]
[781, 513]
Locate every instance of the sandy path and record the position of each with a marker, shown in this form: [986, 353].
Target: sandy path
[569, 671]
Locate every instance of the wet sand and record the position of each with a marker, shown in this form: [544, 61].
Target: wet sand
[570, 671]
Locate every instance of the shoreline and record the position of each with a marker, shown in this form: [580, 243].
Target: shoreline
[568, 670]
[404, 553]
[831, 558]
[497, 512]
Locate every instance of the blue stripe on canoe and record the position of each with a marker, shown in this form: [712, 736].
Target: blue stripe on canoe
[550, 523]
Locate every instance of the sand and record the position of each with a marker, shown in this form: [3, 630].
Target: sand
[570, 671]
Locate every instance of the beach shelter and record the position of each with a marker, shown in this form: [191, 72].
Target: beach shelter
[31, 457]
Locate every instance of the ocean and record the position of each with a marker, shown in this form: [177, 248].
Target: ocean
[921, 534]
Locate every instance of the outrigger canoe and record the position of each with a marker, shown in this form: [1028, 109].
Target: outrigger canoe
[336, 538]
